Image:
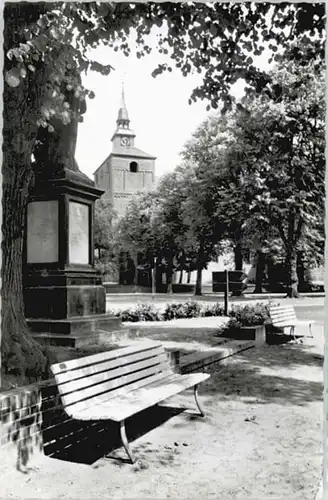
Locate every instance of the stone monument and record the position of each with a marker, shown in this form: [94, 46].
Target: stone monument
[65, 302]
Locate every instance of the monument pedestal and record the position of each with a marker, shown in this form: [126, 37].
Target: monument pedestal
[63, 294]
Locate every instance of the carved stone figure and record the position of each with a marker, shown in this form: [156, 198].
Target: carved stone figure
[54, 151]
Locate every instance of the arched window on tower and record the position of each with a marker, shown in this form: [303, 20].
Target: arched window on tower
[133, 166]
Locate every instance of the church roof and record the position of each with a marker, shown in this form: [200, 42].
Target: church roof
[128, 152]
[132, 151]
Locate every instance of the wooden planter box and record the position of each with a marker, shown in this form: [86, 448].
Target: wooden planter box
[257, 333]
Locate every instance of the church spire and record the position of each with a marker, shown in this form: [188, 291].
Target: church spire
[123, 117]
[123, 123]
[123, 105]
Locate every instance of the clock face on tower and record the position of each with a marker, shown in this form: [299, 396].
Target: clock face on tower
[125, 141]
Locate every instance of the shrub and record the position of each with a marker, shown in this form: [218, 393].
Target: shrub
[250, 315]
[215, 310]
[143, 312]
[190, 309]
[113, 312]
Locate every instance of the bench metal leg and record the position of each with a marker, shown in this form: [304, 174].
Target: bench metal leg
[292, 332]
[310, 330]
[201, 411]
[125, 442]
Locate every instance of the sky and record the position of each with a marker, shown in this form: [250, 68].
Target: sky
[158, 109]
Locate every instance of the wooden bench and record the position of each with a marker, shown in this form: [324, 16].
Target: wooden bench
[284, 316]
[117, 384]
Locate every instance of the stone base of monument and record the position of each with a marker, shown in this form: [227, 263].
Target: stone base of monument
[75, 325]
[58, 302]
[77, 331]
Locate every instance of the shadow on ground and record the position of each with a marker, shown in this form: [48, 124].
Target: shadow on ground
[283, 373]
[85, 443]
[287, 374]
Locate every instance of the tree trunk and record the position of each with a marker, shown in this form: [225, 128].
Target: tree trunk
[238, 258]
[260, 266]
[291, 273]
[21, 354]
[198, 288]
[188, 277]
[169, 276]
[159, 278]
[300, 269]
[181, 276]
[134, 258]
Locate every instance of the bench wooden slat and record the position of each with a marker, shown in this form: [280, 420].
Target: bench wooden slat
[110, 374]
[279, 316]
[103, 356]
[77, 410]
[98, 389]
[283, 311]
[283, 316]
[124, 406]
[69, 375]
[287, 317]
[73, 409]
[283, 323]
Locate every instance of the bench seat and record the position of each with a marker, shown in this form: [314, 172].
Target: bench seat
[126, 405]
[117, 384]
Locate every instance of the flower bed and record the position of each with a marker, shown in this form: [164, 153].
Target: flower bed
[240, 316]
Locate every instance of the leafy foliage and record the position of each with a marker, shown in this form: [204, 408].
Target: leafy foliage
[190, 309]
[283, 140]
[214, 310]
[104, 235]
[143, 312]
[249, 315]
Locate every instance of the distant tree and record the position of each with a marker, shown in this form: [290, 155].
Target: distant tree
[282, 136]
[204, 231]
[104, 226]
[106, 261]
[135, 230]
[221, 181]
[168, 223]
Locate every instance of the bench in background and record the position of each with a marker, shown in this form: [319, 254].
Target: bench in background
[284, 316]
[117, 384]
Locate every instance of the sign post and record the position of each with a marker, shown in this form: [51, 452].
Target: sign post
[153, 279]
[226, 294]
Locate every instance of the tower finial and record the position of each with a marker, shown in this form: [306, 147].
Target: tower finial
[123, 104]
[123, 117]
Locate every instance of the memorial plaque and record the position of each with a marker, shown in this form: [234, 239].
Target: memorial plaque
[42, 231]
[78, 233]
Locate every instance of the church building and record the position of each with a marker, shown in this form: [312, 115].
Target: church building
[127, 169]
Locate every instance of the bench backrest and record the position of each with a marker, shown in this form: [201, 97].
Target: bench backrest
[92, 379]
[282, 315]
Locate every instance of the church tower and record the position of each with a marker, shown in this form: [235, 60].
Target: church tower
[127, 169]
